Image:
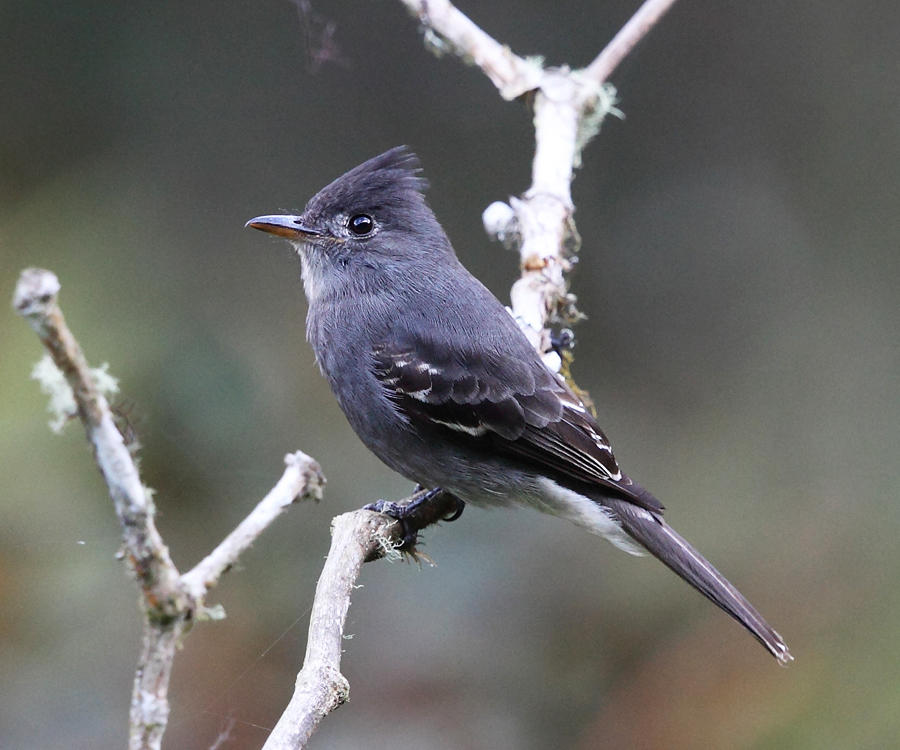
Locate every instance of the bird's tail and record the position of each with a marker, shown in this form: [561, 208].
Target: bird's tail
[671, 549]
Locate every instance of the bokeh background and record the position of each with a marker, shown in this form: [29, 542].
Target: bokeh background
[740, 273]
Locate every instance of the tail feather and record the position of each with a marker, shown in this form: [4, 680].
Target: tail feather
[672, 550]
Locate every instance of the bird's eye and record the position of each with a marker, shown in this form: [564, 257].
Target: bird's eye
[361, 224]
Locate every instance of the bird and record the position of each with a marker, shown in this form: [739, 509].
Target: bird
[438, 380]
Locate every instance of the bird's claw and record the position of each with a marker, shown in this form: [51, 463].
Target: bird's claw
[404, 513]
[457, 511]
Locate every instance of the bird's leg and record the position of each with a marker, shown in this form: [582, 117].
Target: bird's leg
[427, 506]
[420, 498]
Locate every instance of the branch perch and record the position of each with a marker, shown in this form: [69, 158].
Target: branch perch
[170, 601]
[629, 35]
[320, 686]
[569, 107]
[35, 299]
[357, 537]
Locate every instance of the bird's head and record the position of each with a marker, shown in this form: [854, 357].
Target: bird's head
[368, 222]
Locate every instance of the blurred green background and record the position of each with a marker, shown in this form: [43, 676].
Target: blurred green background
[740, 270]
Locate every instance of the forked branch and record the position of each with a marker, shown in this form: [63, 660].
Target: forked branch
[170, 601]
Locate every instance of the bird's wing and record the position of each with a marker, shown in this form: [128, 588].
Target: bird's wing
[516, 405]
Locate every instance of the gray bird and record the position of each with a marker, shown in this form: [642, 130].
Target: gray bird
[439, 382]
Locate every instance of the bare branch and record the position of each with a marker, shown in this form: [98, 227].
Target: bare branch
[320, 686]
[629, 35]
[170, 601]
[35, 299]
[302, 479]
[511, 74]
[543, 215]
[358, 537]
[149, 714]
[164, 603]
[569, 107]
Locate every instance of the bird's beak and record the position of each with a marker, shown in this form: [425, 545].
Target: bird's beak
[291, 227]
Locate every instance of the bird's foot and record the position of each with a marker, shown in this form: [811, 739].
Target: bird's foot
[425, 507]
[455, 505]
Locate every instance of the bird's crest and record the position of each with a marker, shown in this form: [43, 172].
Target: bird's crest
[391, 179]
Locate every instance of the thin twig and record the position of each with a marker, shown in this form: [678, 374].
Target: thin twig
[629, 35]
[511, 74]
[302, 479]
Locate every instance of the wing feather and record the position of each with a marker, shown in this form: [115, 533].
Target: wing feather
[526, 412]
